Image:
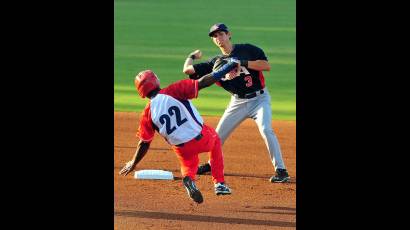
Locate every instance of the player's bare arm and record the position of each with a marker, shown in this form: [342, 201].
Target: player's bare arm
[206, 81]
[188, 65]
[260, 65]
[142, 149]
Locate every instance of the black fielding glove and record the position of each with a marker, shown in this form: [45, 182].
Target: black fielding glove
[244, 63]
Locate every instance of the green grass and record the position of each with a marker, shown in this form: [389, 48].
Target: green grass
[159, 34]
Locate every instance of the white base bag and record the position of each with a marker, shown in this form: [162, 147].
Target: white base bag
[153, 174]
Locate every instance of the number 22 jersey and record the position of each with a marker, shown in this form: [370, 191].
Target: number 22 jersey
[172, 114]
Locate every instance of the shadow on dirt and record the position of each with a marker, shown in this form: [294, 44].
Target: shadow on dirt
[276, 208]
[201, 218]
[279, 208]
[268, 212]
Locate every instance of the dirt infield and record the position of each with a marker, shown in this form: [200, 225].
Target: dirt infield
[255, 203]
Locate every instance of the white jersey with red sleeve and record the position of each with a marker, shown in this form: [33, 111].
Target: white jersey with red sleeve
[172, 114]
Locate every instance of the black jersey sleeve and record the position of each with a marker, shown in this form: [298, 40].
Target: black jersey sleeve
[257, 53]
[201, 69]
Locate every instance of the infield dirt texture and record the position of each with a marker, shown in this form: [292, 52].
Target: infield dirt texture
[158, 35]
[255, 203]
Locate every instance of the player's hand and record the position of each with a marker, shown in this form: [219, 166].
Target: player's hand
[197, 54]
[129, 166]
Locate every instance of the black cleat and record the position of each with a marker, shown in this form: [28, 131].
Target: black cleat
[192, 190]
[280, 176]
[202, 169]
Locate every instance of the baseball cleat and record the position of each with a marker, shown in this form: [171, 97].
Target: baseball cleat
[280, 176]
[192, 190]
[222, 189]
[202, 169]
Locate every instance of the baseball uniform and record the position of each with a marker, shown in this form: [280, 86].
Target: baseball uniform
[250, 99]
[175, 118]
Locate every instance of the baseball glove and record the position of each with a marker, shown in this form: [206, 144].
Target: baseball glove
[219, 62]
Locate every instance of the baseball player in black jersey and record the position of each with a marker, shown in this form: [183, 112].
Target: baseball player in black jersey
[250, 98]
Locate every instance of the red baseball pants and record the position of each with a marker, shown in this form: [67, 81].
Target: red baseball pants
[188, 154]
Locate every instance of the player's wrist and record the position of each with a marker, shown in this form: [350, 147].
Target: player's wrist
[244, 63]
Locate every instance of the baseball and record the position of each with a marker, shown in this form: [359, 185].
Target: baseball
[198, 54]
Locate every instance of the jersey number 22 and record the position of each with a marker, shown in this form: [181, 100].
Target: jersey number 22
[165, 118]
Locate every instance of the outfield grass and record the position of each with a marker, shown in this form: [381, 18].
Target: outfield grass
[159, 34]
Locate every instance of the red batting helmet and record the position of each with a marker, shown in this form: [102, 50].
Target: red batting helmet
[145, 82]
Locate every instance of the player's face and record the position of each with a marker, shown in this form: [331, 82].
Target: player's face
[221, 38]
